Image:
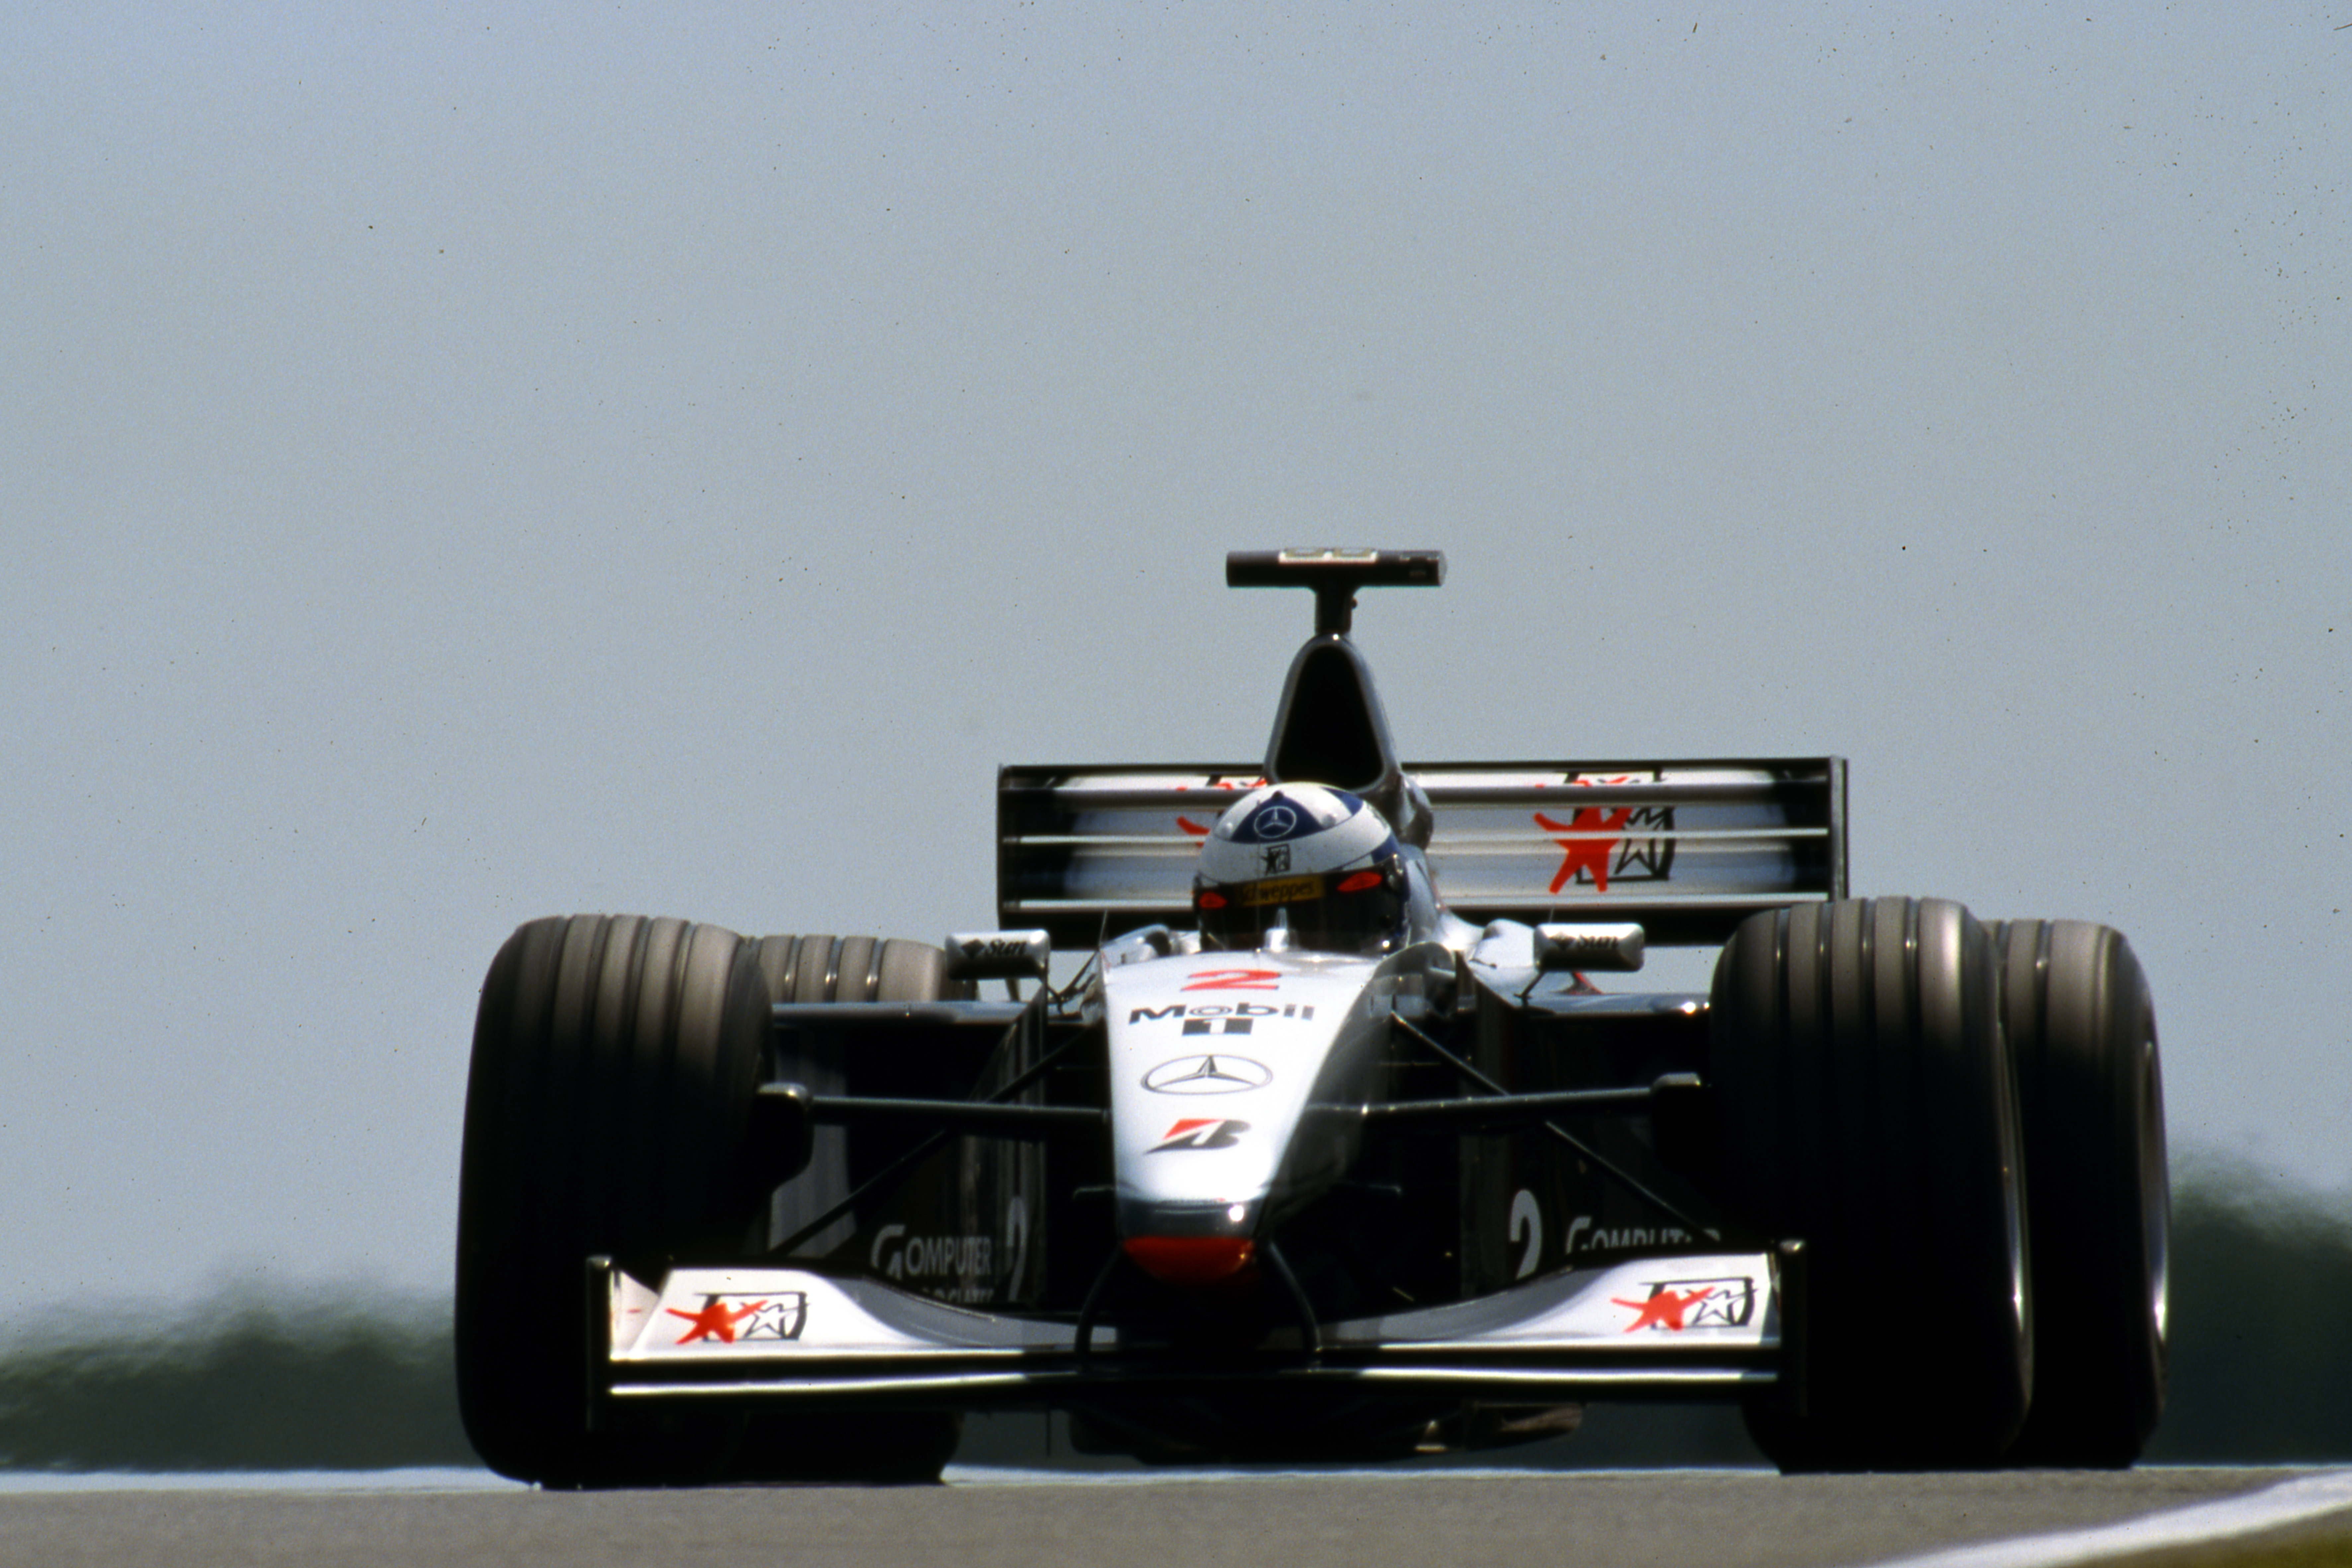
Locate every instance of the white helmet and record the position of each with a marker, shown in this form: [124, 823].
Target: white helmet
[1317, 860]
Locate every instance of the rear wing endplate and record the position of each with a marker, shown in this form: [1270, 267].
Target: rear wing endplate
[1687, 849]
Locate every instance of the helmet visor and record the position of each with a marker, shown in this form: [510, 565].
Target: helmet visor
[1334, 911]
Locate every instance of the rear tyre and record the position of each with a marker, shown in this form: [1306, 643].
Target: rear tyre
[2082, 1029]
[901, 1446]
[851, 969]
[614, 1062]
[1865, 1105]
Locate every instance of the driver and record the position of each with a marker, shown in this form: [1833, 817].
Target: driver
[1315, 862]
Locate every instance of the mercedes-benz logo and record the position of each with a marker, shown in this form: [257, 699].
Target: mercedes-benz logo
[1208, 1074]
[1276, 821]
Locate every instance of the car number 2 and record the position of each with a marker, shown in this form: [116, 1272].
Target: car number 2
[1236, 980]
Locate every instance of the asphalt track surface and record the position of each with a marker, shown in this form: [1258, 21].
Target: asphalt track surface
[1702, 1519]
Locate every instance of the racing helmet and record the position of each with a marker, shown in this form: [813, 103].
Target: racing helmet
[1316, 860]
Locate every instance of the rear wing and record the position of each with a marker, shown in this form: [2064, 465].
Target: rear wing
[1687, 849]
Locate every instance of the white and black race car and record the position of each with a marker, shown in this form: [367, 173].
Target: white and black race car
[1327, 1148]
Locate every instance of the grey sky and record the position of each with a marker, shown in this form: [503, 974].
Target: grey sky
[464, 463]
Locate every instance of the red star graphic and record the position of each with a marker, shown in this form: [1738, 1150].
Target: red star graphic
[1662, 1309]
[717, 1323]
[1589, 855]
[1194, 828]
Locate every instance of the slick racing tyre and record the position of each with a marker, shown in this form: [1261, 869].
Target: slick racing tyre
[2082, 1029]
[614, 1062]
[1865, 1106]
[910, 1446]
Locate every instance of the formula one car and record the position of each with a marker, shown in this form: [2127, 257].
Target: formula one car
[1327, 1148]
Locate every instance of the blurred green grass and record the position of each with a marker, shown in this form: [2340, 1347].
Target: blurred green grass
[359, 1381]
[2262, 1324]
[2261, 1371]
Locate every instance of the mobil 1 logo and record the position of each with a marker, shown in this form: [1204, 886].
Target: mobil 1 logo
[1221, 1018]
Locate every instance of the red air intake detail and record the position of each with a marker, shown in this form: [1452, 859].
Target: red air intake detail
[1193, 1260]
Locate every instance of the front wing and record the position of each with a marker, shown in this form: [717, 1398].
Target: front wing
[1695, 1326]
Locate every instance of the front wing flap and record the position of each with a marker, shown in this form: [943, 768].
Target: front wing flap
[1705, 1325]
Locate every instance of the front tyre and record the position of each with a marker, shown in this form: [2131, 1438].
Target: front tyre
[1865, 1105]
[606, 1111]
[2082, 1028]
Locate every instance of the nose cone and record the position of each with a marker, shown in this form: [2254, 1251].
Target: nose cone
[1214, 1059]
[1194, 1262]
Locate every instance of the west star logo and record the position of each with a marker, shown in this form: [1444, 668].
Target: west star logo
[1201, 1132]
[1633, 844]
[726, 1317]
[1679, 1304]
[1587, 853]
[1238, 786]
[1208, 1074]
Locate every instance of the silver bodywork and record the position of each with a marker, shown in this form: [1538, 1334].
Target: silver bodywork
[1313, 1024]
[1241, 1091]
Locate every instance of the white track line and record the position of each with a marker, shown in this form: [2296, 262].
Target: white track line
[2289, 1502]
[408, 1481]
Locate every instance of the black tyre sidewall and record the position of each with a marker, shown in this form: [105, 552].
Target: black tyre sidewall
[607, 1105]
[2082, 1025]
[1867, 1106]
